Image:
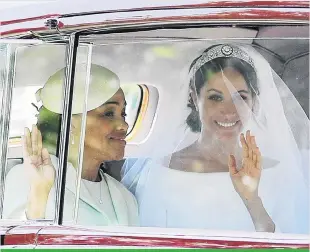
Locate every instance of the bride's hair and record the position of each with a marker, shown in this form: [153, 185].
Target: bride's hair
[211, 67]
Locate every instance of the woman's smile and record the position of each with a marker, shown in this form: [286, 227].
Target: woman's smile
[227, 125]
[118, 138]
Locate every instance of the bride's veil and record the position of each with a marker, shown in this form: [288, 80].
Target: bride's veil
[275, 118]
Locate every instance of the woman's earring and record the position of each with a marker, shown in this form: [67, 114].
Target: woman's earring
[72, 137]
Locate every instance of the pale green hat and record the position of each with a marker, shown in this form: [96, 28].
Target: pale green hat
[103, 85]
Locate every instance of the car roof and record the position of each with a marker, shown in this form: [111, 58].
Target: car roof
[13, 11]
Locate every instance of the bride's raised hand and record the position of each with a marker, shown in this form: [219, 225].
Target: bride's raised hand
[246, 182]
[37, 161]
[246, 179]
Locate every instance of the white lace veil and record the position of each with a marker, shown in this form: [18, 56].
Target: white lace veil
[275, 118]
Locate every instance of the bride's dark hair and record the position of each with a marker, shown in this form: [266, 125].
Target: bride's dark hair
[216, 65]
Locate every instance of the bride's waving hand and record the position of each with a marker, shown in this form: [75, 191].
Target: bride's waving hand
[246, 179]
[246, 182]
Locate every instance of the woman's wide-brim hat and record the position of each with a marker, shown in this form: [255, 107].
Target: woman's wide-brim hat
[103, 84]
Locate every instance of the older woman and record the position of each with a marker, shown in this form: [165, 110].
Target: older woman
[30, 187]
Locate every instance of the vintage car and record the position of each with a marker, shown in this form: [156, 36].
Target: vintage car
[150, 45]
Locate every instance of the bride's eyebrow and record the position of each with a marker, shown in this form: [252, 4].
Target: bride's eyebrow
[214, 90]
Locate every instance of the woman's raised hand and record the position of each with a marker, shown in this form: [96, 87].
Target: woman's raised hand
[246, 179]
[37, 161]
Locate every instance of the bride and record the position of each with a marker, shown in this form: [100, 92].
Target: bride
[244, 171]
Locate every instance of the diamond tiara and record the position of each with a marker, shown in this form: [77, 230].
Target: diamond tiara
[219, 52]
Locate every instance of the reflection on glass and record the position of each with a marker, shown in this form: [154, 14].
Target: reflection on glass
[133, 95]
[3, 132]
[22, 188]
[24, 110]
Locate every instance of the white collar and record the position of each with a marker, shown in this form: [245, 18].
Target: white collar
[116, 195]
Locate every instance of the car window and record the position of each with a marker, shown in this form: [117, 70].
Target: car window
[170, 118]
[21, 81]
[134, 95]
[182, 167]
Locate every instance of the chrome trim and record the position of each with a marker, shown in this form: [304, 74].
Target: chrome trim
[175, 24]
[185, 24]
[142, 24]
[5, 117]
[65, 126]
[82, 138]
[35, 222]
[21, 41]
[153, 41]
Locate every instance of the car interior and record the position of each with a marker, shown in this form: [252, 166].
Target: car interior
[153, 68]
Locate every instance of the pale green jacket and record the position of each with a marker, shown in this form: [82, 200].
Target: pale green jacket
[90, 213]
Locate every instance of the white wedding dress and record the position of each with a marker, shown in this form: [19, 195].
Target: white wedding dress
[178, 199]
